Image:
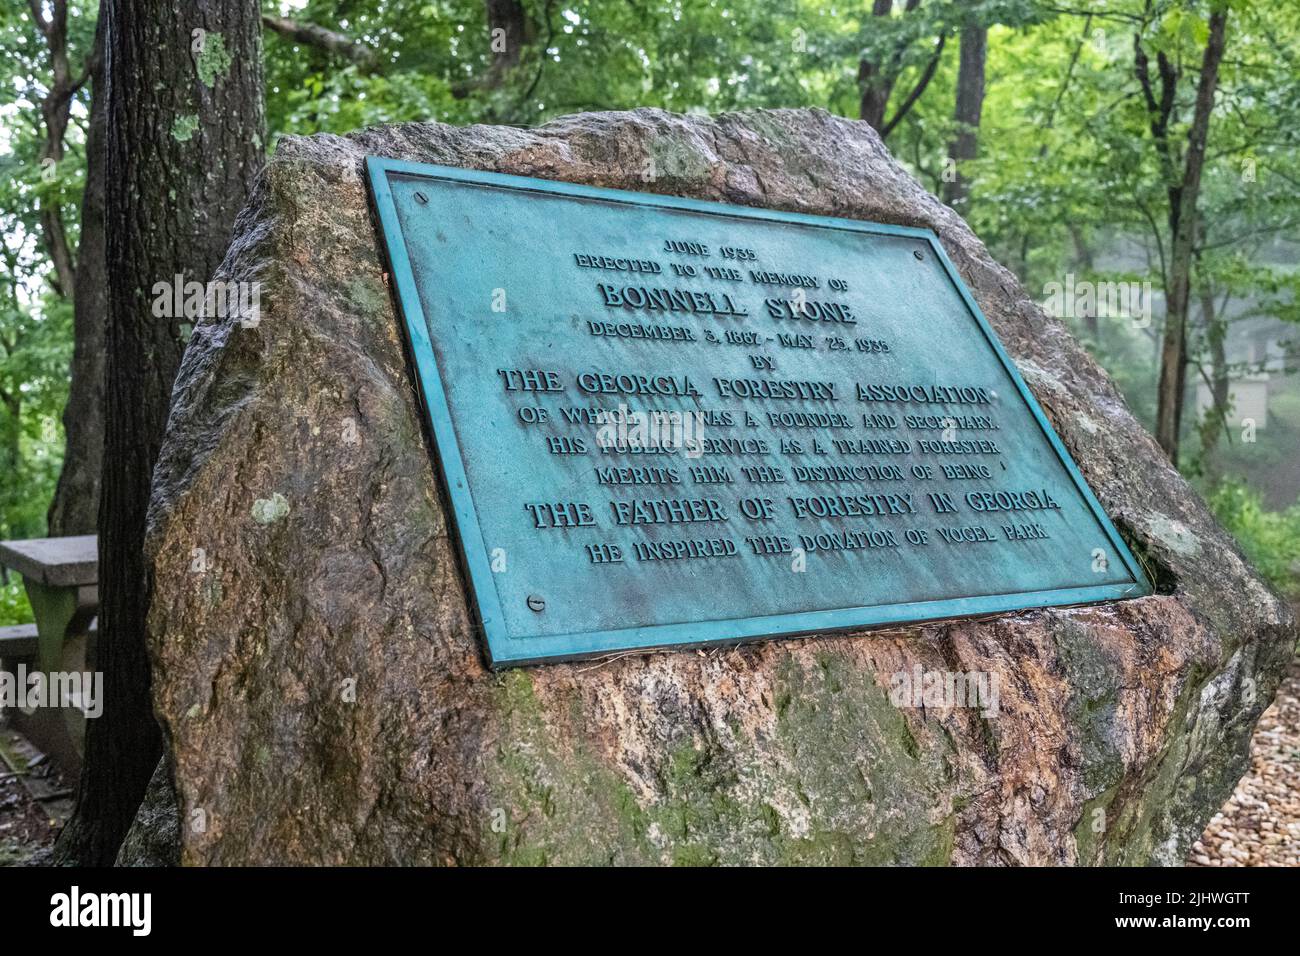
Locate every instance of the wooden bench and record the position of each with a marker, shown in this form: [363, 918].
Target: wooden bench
[18, 643]
[60, 576]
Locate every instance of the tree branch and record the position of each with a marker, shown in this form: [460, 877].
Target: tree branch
[876, 79]
[321, 38]
[917, 90]
[39, 18]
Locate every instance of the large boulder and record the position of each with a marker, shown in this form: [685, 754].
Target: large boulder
[324, 696]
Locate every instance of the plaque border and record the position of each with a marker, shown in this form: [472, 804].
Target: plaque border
[499, 647]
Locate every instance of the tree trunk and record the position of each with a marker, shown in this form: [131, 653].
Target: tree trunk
[11, 431]
[185, 140]
[1216, 334]
[508, 31]
[1086, 262]
[75, 508]
[970, 104]
[1173, 346]
[874, 83]
[56, 111]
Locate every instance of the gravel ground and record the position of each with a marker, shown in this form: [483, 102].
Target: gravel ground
[1260, 823]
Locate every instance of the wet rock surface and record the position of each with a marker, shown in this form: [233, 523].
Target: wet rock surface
[321, 686]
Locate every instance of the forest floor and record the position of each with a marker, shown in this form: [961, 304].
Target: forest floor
[28, 826]
[1260, 823]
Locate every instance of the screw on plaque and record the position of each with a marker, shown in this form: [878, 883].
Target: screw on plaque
[920, 256]
[536, 603]
[421, 198]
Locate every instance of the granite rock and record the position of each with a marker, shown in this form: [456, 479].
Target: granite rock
[323, 693]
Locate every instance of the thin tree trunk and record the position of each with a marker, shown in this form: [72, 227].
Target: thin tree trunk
[1084, 257]
[970, 106]
[75, 508]
[11, 422]
[1216, 417]
[922, 82]
[56, 111]
[509, 29]
[1173, 346]
[185, 140]
[874, 82]
[11, 439]
[1218, 336]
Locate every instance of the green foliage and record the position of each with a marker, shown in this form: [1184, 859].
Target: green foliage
[1271, 539]
[14, 608]
[35, 315]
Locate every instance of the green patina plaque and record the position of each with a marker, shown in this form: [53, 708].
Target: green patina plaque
[669, 422]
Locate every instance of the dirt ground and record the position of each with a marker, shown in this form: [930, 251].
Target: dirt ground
[28, 826]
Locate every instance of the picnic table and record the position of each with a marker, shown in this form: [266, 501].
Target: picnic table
[61, 577]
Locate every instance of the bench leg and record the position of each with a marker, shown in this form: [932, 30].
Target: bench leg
[54, 609]
[62, 615]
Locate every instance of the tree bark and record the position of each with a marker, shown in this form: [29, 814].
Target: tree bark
[507, 46]
[876, 80]
[1182, 212]
[12, 434]
[11, 399]
[56, 111]
[874, 84]
[185, 140]
[75, 508]
[970, 107]
[509, 17]
[1084, 257]
[1216, 418]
